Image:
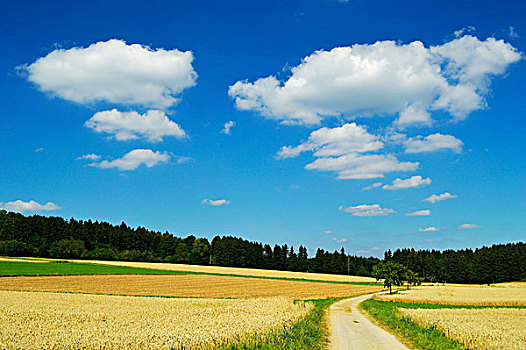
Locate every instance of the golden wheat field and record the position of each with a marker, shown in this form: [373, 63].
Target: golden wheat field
[483, 329]
[235, 271]
[31, 320]
[208, 286]
[510, 294]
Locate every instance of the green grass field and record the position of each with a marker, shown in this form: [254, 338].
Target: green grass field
[52, 268]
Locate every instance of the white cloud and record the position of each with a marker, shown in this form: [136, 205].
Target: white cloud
[340, 150]
[30, 206]
[355, 166]
[425, 212]
[226, 128]
[133, 159]
[367, 210]
[428, 229]
[468, 227]
[412, 182]
[376, 248]
[90, 156]
[341, 240]
[152, 125]
[328, 232]
[363, 251]
[40, 149]
[215, 202]
[384, 78]
[114, 72]
[432, 143]
[442, 197]
[327, 142]
[372, 186]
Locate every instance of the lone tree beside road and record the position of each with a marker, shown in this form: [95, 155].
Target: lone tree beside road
[393, 274]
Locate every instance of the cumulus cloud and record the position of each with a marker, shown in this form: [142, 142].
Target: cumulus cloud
[432, 143]
[468, 227]
[384, 78]
[31, 206]
[341, 149]
[327, 142]
[442, 197]
[367, 210]
[425, 212]
[356, 166]
[90, 156]
[226, 128]
[133, 159]
[152, 125]
[215, 202]
[412, 182]
[115, 72]
[341, 240]
[428, 229]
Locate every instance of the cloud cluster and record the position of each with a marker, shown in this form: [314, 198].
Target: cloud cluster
[384, 78]
[441, 197]
[31, 206]
[115, 72]
[215, 202]
[339, 141]
[133, 159]
[432, 143]
[367, 210]
[412, 182]
[152, 125]
[341, 150]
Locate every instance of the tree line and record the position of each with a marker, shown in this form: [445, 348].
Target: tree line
[498, 263]
[56, 237]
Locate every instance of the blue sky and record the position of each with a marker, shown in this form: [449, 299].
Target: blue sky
[324, 98]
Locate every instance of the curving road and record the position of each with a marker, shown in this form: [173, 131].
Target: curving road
[352, 330]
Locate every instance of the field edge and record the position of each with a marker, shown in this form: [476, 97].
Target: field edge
[385, 314]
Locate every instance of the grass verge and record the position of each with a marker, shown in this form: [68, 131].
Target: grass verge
[309, 333]
[386, 313]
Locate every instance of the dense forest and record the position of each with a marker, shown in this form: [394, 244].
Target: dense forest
[58, 238]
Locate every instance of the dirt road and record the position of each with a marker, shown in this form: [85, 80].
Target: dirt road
[352, 330]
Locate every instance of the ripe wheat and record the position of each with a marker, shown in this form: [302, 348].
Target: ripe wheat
[495, 329]
[51, 321]
[506, 294]
[207, 286]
